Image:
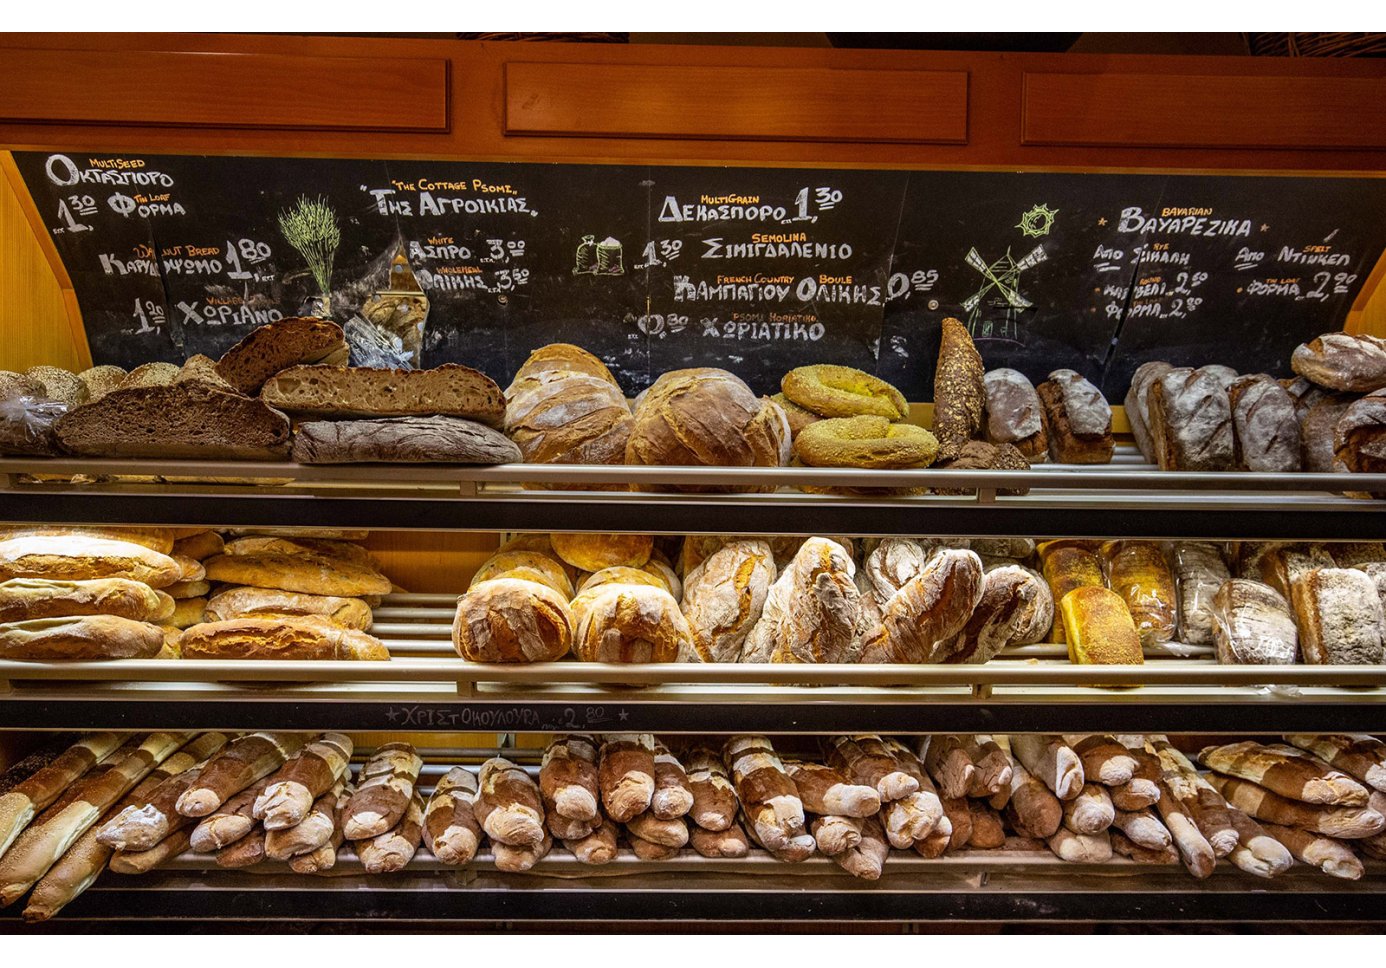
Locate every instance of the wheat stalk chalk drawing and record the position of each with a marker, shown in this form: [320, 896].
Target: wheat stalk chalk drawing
[311, 228]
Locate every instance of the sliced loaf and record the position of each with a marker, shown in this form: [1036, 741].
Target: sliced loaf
[278, 346]
[337, 391]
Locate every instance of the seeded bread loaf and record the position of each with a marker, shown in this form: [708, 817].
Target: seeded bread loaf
[181, 420]
[1077, 419]
[101, 380]
[1343, 361]
[289, 637]
[959, 392]
[278, 346]
[22, 599]
[420, 440]
[450, 390]
[827, 390]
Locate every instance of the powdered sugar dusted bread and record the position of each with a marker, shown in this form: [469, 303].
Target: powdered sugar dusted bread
[1252, 624]
[1340, 618]
[724, 597]
[1191, 420]
[1265, 424]
[1343, 361]
[1077, 419]
[1138, 404]
[1014, 413]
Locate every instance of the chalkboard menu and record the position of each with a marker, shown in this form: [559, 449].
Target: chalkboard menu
[754, 269]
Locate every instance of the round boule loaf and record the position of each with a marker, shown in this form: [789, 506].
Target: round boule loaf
[629, 623]
[22, 599]
[80, 637]
[156, 374]
[101, 380]
[512, 620]
[527, 566]
[310, 637]
[828, 390]
[70, 556]
[247, 602]
[621, 575]
[593, 552]
[723, 598]
[565, 407]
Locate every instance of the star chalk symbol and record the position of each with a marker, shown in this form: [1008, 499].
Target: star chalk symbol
[623, 715]
[1102, 221]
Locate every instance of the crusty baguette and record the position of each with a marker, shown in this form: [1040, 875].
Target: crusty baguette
[144, 861]
[958, 810]
[308, 774]
[562, 828]
[20, 804]
[245, 852]
[1257, 852]
[1081, 848]
[519, 859]
[508, 804]
[1201, 800]
[992, 766]
[649, 850]
[673, 797]
[868, 857]
[827, 792]
[1104, 760]
[1033, 810]
[245, 760]
[1091, 812]
[451, 831]
[714, 797]
[767, 794]
[383, 791]
[916, 817]
[833, 835]
[393, 850]
[937, 842]
[312, 832]
[141, 827]
[1287, 771]
[757, 820]
[729, 842]
[229, 822]
[568, 778]
[1345, 823]
[1143, 828]
[946, 761]
[1194, 849]
[1051, 760]
[625, 774]
[40, 846]
[1124, 846]
[1356, 754]
[988, 832]
[1143, 789]
[864, 759]
[325, 857]
[1333, 857]
[597, 848]
[666, 833]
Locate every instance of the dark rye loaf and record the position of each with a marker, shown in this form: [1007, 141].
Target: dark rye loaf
[451, 390]
[449, 440]
[278, 346]
[181, 420]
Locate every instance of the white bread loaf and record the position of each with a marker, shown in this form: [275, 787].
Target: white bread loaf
[811, 611]
[724, 597]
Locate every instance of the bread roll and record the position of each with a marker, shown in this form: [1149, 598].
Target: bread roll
[1339, 616]
[247, 602]
[512, 620]
[1138, 572]
[289, 637]
[1077, 419]
[1252, 625]
[919, 621]
[629, 623]
[724, 597]
[811, 611]
[23, 599]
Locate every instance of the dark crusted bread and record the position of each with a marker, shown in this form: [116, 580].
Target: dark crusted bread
[1359, 438]
[337, 391]
[278, 346]
[450, 440]
[182, 420]
[1343, 361]
[959, 394]
[1077, 419]
[978, 455]
[1317, 429]
[1014, 414]
[1191, 421]
[1138, 404]
[1267, 430]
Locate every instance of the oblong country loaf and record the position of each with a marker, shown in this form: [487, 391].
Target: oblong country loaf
[448, 440]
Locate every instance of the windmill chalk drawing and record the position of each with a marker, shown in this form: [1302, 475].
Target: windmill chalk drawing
[1000, 289]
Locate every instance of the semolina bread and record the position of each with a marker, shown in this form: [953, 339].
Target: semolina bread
[865, 442]
[70, 556]
[285, 637]
[279, 345]
[322, 391]
[593, 552]
[82, 637]
[827, 390]
[246, 602]
[22, 599]
[187, 613]
[1139, 573]
[1099, 628]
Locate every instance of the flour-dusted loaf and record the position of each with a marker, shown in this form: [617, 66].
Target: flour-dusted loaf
[1195, 851]
[1091, 811]
[1199, 798]
[629, 623]
[526, 566]
[450, 828]
[991, 764]
[81, 637]
[244, 601]
[947, 762]
[724, 596]
[1032, 809]
[568, 780]
[1143, 789]
[1266, 425]
[673, 796]
[288, 637]
[811, 611]
[308, 774]
[600, 846]
[867, 859]
[384, 790]
[1077, 419]
[141, 826]
[1339, 615]
[1359, 439]
[415, 439]
[1286, 771]
[1333, 857]
[714, 798]
[1015, 608]
[1347, 823]
[1139, 573]
[1052, 760]
[323, 391]
[866, 761]
[1199, 571]
[393, 850]
[1143, 827]
[246, 759]
[181, 420]
[1356, 754]
[311, 574]
[279, 345]
[229, 822]
[508, 804]
[767, 794]
[920, 620]
[1343, 361]
[1138, 405]
[22, 599]
[1191, 420]
[78, 557]
[22, 803]
[827, 792]
[313, 832]
[1104, 759]
[1014, 414]
[959, 392]
[626, 774]
[1318, 424]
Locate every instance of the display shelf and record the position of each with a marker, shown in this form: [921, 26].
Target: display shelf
[1123, 499]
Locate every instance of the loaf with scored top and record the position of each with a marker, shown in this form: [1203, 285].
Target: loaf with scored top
[1014, 414]
[1077, 419]
[22, 599]
[1343, 361]
[920, 620]
[81, 637]
[307, 775]
[811, 610]
[1265, 424]
[1138, 405]
[1191, 420]
[289, 637]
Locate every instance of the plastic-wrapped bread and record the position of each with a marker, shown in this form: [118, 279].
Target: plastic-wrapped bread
[864, 759]
[991, 766]
[1032, 810]
[1138, 572]
[827, 792]
[229, 822]
[714, 797]
[393, 850]
[517, 860]
[1339, 615]
[767, 794]
[1104, 760]
[811, 610]
[724, 597]
[1333, 857]
[1091, 812]
[626, 774]
[568, 777]
[384, 788]
[19, 805]
[1252, 625]
[305, 776]
[508, 804]
[1199, 570]
[1051, 760]
[920, 620]
[1356, 754]
[1081, 848]
[673, 797]
[246, 759]
[868, 857]
[1257, 852]
[1143, 828]
[312, 832]
[1099, 629]
[597, 848]
[666, 833]
[325, 857]
[1067, 565]
[1345, 823]
[1201, 800]
[947, 763]
[1123, 845]
[729, 842]
[1286, 771]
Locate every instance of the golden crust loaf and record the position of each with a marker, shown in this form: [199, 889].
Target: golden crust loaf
[22, 599]
[1139, 573]
[527, 565]
[287, 637]
[919, 621]
[628, 623]
[199, 546]
[867, 442]
[512, 620]
[842, 391]
[811, 611]
[80, 637]
[959, 392]
[621, 575]
[187, 612]
[593, 552]
[723, 598]
[246, 602]
[77, 557]
[1099, 628]
[312, 574]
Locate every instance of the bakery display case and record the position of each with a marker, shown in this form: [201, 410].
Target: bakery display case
[451, 249]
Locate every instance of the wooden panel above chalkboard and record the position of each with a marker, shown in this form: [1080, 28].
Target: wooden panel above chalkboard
[1195, 111]
[766, 103]
[224, 90]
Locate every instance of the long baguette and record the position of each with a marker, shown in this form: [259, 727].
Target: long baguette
[19, 805]
[1345, 823]
[946, 761]
[325, 857]
[1194, 849]
[1050, 760]
[246, 852]
[508, 804]
[992, 766]
[245, 760]
[827, 792]
[1201, 800]
[1124, 846]
[40, 846]
[392, 851]
[864, 759]
[1091, 812]
[229, 823]
[714, 797]
[568, 778]
[1104, 760]
[308, 774]
[1143, 789]
[312, 832]
[83, 862]
[1356, 754]
[451, 831]
[141, 826]
[1333, 857]
[144, 861]
[384, 789]
[1286, 771]
[1143, 828]
[1257, 851]
[1033, 810]
[598, 847]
